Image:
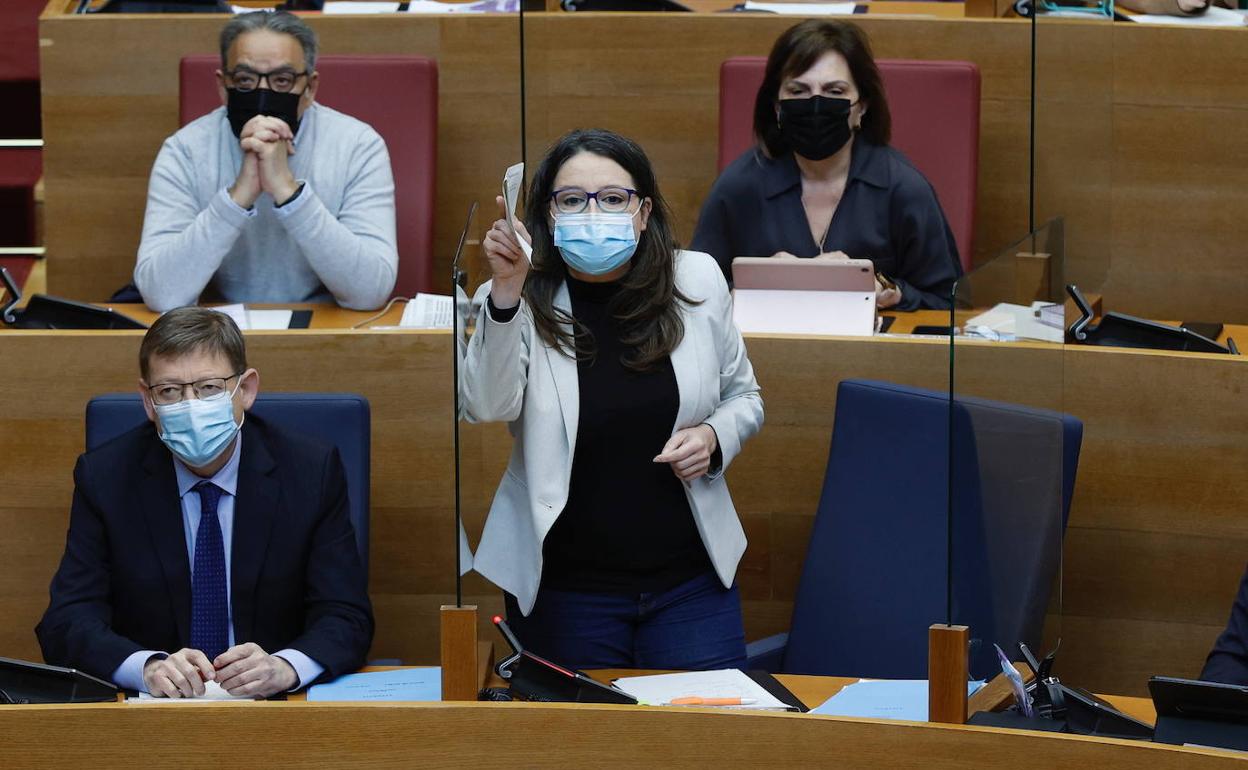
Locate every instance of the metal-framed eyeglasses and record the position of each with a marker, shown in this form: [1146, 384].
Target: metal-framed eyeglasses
[209, 389]
[574, 200]
[279, 80]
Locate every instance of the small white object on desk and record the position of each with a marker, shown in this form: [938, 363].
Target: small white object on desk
[251, 320]
[212, 694]
[1212, 17]
[340, 7]
[481, 6]
[726, 683]
[802, 9]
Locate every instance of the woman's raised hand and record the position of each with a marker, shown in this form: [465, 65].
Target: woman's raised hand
[508, 264]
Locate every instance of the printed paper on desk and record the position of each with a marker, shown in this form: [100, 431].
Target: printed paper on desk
[513, 179]
[405, 684]
[427, 311]
[658, 689]
[212, 694]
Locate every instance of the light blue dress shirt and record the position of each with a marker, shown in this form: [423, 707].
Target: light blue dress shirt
[130, 673]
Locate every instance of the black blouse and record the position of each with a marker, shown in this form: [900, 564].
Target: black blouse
[627, 526]
[888, 214]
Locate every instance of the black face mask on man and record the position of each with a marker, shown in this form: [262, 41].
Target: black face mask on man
[242, 106]
[815, 128]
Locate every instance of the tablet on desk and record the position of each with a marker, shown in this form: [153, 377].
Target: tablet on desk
[804, 296]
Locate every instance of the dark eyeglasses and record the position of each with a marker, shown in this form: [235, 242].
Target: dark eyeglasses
[281, 81]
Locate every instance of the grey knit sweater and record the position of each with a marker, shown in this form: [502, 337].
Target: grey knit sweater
[336, 240]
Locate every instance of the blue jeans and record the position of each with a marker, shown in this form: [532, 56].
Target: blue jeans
[694, 626]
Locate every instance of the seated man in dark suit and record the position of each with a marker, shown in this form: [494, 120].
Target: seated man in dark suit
[204, 547]
[1228, 660]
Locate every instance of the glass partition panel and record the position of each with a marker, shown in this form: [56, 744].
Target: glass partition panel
[1130, 151]
[1010, 451]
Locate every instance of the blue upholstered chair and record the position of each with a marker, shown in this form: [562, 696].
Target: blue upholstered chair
[341, 419]
[874, 578]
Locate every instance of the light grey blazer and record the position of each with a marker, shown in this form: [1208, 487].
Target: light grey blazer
[510, 375]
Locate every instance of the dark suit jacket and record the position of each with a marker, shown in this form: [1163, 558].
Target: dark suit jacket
[1228, 661]
[124, 582]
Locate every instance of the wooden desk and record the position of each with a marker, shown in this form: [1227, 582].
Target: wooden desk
[1131, 124]
[1153, 552]
[474, 735]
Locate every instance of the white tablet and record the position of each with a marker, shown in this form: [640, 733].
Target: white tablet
[804, 296]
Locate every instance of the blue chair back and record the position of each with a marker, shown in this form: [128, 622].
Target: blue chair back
[876, 571]
[341, 419]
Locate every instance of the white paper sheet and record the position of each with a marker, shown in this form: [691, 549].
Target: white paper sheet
[660, 689]
[1212, 17]
[333, 8]
[212, 693]
[427, 311]
[249, 319]
[513, 180]
[802, 9]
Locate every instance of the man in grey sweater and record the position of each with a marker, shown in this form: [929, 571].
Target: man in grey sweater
[272, 197]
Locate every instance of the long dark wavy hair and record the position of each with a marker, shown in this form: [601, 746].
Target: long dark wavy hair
[798, 49]
[645, 308]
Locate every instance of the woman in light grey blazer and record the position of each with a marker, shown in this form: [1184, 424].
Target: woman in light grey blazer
[614, 358]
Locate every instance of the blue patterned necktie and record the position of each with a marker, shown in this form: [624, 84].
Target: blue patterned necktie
[209, 612]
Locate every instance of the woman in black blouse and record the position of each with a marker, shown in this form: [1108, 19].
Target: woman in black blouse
[615, 360]
[823, 181]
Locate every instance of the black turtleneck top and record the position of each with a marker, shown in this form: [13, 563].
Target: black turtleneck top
[627, 526]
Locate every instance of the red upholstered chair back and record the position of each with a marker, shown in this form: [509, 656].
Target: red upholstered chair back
[935, 109]
[19, 35]
[396, 95]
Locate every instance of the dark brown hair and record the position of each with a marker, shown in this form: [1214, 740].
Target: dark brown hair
[796, 51]
[645, 306]
[190, 330]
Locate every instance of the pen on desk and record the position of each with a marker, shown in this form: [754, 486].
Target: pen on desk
[694, 700]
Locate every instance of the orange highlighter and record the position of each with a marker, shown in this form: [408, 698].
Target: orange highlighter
[694, 700]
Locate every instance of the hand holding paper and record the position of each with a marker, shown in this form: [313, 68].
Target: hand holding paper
[509, 265]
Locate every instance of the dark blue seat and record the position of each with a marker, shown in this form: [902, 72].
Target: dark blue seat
[341, 419]
[875, 574]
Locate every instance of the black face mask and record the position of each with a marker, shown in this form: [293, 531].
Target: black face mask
[242, 106]
[815, 128]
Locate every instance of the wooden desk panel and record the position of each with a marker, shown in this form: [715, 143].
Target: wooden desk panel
[475, 735]
[1154, 550]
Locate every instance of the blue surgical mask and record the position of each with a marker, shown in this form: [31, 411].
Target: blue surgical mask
[198, 431]
[595, 242]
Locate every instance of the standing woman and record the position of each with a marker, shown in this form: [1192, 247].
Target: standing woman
[823, 181]
[615, 359]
